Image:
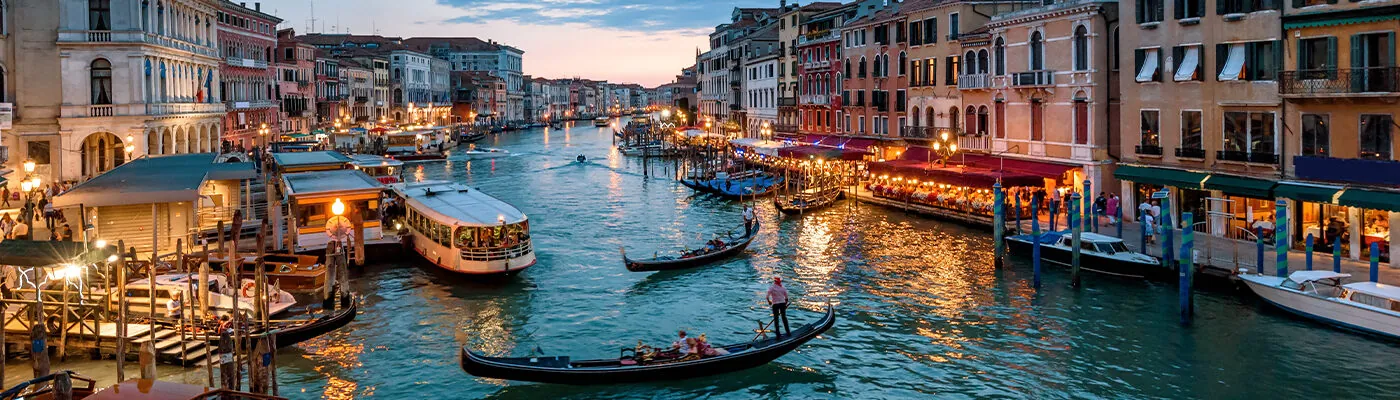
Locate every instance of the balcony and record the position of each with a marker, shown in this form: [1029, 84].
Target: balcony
[928, 132]
[1148, 150]
[241, 105]
[787, 101]
[1182, 152]
[812, 65]
[818, 36]
[1033, 78]
[815, 99]
[136, 109]
[975, 82]
[1382, 81]
[1244, 156]
[782, 128]
[85, 36]
[245, 62]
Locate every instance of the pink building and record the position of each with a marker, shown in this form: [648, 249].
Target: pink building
[296, 62]
[247, 38]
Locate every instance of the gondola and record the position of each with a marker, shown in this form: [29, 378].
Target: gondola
[799, 203]
[627, 368]
[473, 136]
[730, 249]
[306, 331]
[749, 188]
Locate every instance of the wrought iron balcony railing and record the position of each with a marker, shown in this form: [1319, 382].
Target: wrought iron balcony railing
[1183, 152]
[1244, 156]
[1340, 81]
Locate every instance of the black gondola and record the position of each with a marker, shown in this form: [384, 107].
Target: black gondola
[627, 368]
[731, 192]
[1098, 253]
[303, 331]
[798, 203]
[473, 136]
[730, 249]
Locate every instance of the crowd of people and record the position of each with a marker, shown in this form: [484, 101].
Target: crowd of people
[964, 199]
[16, 225]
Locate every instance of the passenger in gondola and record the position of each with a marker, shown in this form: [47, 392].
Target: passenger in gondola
[680, 343]
[702, 346]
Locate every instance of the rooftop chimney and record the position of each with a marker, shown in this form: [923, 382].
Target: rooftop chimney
[257, 7]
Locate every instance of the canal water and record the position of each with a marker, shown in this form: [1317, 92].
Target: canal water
[921, 310]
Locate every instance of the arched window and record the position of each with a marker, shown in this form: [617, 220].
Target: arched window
[999, 53]
[886, 64]
[981, 120]
[914, 116]
[982, 61]
[1037, 49]
[99, 15]
[398, 74]
[848, 67]
[969, 61]
[101, 80]
[861, 68]
[1081, 48]
[953, 119]
[971, 119]
[903, 62]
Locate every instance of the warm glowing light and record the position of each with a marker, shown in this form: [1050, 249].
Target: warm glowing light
[100, 243]
[112, 258]
[24, 185]
[935, 146]
[29, 166]
[68, 271]
[944, 135]
[953, 147]
[337, 208]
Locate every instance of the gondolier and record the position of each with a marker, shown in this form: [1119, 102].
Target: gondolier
[748, 220]
[778, 299]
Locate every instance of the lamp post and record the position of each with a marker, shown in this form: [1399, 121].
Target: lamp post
[945, 148]
[262, 135]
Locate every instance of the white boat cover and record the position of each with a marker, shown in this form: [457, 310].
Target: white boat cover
[1375, 289]
[760, 146]
[458, 205]
[1310, 276]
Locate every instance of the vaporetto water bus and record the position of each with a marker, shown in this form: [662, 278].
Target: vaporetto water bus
[465, 230]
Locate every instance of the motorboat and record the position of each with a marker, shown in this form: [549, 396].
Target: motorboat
[602, 121]
[465, 230]
[692, 258]
[221, 295]
[480, 153]
[383, 169]
[294, 273]
[1097, 253]
[644, 363]
[412, 146]
[1368, 307]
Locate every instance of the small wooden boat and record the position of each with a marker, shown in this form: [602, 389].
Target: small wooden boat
[291, 333]
[692, 258]
[291, 272]
[43, 389]
[742, 185]
[798, 203]
[1367, 307]
[221, 295]
[637, 366]
[1098, 253]
[470, 136]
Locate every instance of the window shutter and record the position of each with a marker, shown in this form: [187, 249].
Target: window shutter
[1331, 57]
[1390, 44]
[1278, 58]
[1161, 66]
[1179, 9]
[1357, 61]
[1222, 52]
[932, 28]
[1138, 56]
[1200, 11]
[1177, 54]
[1221, 7]
[932, 78]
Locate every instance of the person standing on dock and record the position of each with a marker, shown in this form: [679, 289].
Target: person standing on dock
[778, 300]
[748, 220]
[173, 307]
[1111, 209]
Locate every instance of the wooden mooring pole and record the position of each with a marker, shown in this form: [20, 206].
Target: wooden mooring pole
[122, 321]
[1077, 230]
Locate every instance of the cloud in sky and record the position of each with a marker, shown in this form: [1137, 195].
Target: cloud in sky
[636, 41]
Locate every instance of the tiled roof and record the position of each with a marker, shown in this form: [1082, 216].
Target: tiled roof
[423, 44]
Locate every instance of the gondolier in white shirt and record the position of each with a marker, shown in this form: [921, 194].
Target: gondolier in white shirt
[748, 220]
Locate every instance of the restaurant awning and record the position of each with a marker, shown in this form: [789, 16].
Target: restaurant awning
[1369, 198]
[1160, 176]
[1039, 168]
[760, 146]
[953, 175]
[809, 152]
[1239, 185]
[1307, 192]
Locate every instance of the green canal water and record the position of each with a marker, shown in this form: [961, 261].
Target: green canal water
[922, 313]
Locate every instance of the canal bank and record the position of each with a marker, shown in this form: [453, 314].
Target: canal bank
[923, 313]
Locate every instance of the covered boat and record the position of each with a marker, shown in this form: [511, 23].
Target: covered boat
[807, 201]
[639, 365]
[601, 121]
[741, 185]
[692, 258]
[1367, 307]
[382, 169]
[1098, 253]
[294, 273]
[465, 230]
[221, 295]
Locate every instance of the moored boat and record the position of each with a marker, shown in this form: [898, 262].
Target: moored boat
[747, 184]
[806, 201]
[383, 169]
[1098, 253]
[293, 273]
[465, 230]
[1367, 307]
[221, 295]
[692, 258]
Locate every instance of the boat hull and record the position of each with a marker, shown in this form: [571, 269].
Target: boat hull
[1093, 262]
[791, 206]
[301, 333]
[705, 187]
[559, 370]
[1328, 310]
[685, 263]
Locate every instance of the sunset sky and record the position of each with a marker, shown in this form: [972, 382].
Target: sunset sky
[635, 41]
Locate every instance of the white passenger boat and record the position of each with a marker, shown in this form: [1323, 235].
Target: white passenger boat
[383, 169]
[1362, 306]
[481, 153]
[221, 295]
[464, 230]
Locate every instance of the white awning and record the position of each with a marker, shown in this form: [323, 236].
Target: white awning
[1234, 64]
[1149, 66]
[760, 146]
[1187, 69]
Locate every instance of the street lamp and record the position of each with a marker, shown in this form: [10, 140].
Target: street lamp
[944, 147]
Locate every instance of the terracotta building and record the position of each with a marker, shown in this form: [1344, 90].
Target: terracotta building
[874, 77]
[296, 63]
[247, 38]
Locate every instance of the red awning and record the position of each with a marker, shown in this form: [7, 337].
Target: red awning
[858, 144]
[817, 140]
[955, 175]
[806, 152]
[1038, 168]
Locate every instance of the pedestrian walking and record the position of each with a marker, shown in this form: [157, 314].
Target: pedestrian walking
[1111, 209]
[778, 300]
[50, 216]
[6, 225]
[20, 231]
[1144, 209]
[5, 190]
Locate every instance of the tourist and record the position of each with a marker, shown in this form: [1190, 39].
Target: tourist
[1100, 204]
[6, 224]
[1039, 199]
[49, 214]
[67, 233]
[778, 300]
[748, 220]
[702, 346]
[1156, 210]
[680, 342]
[1148, 222]
[1144, 209]
[5, 190]
[1111, 209]
[20, 231]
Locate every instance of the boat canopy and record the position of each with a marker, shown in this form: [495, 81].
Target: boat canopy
[458, 205]
[1310, 276]
[1373, 288]
[372, 161]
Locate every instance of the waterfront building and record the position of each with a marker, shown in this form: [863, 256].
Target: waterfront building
[248, 76]
[761, 43]
[472, 54]
[411, 70]
[874, 44]
[536, 98]
[478, 96]
[1050, 112]
[720, 83]
[1201, 93]
[789, 30]
[359, 87]
[1339, 84]
[559, 99]
[329, 93]
[820, 75]
[760, 90]
[950, 48]
[119, 80]
[296, 63]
